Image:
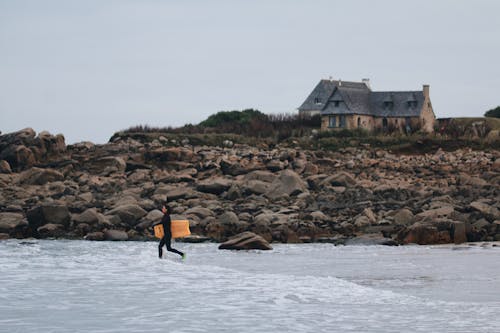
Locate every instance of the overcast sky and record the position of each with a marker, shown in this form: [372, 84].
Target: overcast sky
[88, 68]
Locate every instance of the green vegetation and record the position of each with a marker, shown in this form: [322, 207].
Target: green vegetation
[495, 113]
[247, 123]
[254, 128]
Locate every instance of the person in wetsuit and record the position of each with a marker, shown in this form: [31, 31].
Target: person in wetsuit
[167, 234]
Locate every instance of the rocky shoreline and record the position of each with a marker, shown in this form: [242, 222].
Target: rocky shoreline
[355, 195]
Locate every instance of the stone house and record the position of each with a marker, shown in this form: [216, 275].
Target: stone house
[349, 105]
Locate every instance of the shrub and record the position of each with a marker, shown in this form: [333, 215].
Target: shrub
[495, 113]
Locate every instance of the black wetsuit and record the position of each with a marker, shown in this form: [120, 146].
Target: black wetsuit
[167, 235]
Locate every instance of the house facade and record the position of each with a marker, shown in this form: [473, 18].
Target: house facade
[350, 105]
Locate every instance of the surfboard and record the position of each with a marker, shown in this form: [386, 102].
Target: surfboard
[178, 228]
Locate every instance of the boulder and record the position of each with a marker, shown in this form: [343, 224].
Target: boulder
[94, 236]
[19, 157]
[224, 226]
[12, 222]
[371, 239]
[404, 216]
[200, 212]
[52, 213]
[246, 241]
[107, 164]
[129, 214]
[287, 184]
[115, 235]
[38, 176]
[89, 216]
[51, 230]
[340, 179]
[5, 167]
[214, 186]
[490, 212]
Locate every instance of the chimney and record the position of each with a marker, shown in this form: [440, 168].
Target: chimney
[426, 90]
[367, 83]
[340, 82]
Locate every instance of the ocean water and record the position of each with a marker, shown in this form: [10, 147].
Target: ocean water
[82, 286]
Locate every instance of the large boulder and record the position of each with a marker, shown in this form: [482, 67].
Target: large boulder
[108, 164]
[51, 230]
[129, 213]
[439, 231]
[214, 186]
[48, 213]
[10, 223]
[224, 226]
[246, 241]
[490, 212]
[340, 179]
[5, 167]
[38, 176]
[115, 235]
[287, 184]
[89, 216]
[19, 157]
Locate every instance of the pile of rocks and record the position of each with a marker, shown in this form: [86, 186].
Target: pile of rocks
[114, 191]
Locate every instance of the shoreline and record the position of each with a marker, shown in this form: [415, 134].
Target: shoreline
[283, 194]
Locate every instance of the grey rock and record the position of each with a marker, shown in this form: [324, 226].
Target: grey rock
[246, 241]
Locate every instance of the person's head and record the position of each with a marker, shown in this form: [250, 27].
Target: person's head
[165, 209]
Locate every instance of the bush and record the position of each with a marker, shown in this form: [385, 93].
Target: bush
[495, 113]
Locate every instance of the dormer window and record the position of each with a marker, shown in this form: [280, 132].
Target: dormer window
[388, 105]
[411, 104]
[317, 100]
[336, 103]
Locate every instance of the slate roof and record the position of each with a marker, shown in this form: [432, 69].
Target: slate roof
[358, 98]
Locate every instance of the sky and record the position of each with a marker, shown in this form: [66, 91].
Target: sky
[87, 69]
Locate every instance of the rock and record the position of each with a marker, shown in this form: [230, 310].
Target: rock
[129, 214]
[95, 236]
[4, 236]
[200, 212]
[340, 179]
[255, 187]
[19, 157]
[404, 217]
[246, 241]
[37, 176]
[115, 235]
[490, 212]
[287, 184]
[52, 213]
[425, 234]
[51, 230]
[459, 232]
[5, 167]
[371, 239]
[225, 226]
[107, 164]
[193, 239]
[89, 216]
[12, 222]
[214, 186]
[435, 213]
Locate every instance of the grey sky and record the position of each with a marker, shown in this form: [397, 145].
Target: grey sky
[89, 68]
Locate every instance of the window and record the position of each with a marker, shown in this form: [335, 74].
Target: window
[336, 103]
[388, 105]
[411, 104]
[359, 122]
[332, 121]
[342, 121]
[317, 101]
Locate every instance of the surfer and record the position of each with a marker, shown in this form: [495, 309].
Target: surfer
[167, 234]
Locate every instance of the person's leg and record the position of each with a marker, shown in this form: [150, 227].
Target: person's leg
[160, 247]
[170, 248]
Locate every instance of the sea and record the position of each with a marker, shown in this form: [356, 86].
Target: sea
[84, 286]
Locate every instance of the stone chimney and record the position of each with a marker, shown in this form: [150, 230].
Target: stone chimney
[426, 90]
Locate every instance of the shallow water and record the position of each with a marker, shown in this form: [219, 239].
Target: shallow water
[81, 286]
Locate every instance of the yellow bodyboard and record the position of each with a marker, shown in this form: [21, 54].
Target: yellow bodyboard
[178, 228]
